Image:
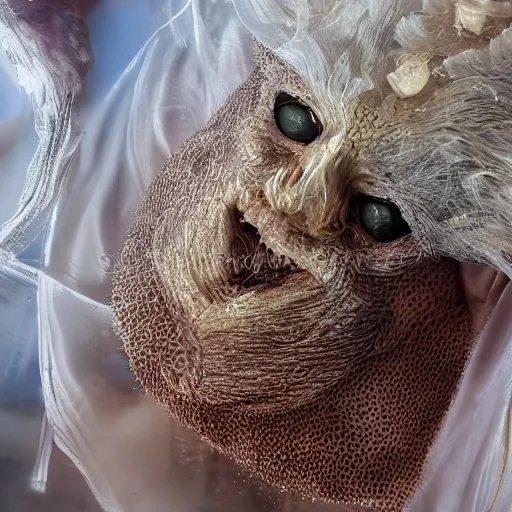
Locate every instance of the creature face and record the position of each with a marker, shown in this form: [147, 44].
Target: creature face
[258, 310]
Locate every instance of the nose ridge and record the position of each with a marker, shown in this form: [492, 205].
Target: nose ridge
[314, 192]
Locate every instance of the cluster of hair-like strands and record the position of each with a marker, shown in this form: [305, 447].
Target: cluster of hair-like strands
[306, 203]
[55, 34]
[460, 161]
[458, 190]
[298, 180]
[338, 47]
[48, 44]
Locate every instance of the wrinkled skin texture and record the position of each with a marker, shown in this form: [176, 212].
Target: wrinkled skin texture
[333, 381]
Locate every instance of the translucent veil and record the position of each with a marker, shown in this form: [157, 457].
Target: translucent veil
[76, 156]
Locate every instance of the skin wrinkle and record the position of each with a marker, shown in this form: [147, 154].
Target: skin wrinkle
[332, 383]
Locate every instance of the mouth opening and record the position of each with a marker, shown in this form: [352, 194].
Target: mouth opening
[253, 263]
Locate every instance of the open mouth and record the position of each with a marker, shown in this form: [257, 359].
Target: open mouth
[253, 264]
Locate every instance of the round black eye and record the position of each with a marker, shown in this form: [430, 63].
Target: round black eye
[382, 220]
[295, 120]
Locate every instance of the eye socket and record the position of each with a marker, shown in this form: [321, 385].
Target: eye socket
[381, 219]
[296, 120]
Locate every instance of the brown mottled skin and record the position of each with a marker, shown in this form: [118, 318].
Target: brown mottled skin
[332, 383]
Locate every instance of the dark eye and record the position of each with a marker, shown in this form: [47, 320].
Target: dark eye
[381, 219]
[295, 120]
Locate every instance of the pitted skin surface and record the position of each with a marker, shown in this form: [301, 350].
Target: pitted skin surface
[331, 385]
